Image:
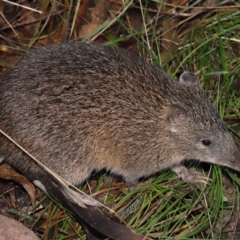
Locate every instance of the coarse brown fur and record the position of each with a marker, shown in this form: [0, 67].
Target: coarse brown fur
[81, 107]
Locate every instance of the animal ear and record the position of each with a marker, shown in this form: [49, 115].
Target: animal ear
[176, 117]
[189, 79]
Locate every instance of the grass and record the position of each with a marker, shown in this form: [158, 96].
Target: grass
[201, 41]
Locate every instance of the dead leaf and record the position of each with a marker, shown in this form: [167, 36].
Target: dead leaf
[94, 18]
[14, 230]
[8, 173]
[170, 40]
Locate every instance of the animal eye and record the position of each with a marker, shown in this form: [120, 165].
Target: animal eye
[206, 142]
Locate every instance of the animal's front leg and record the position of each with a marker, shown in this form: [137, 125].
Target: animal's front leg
[190, 176]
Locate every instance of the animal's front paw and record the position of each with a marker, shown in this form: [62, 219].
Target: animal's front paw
[190, 176]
